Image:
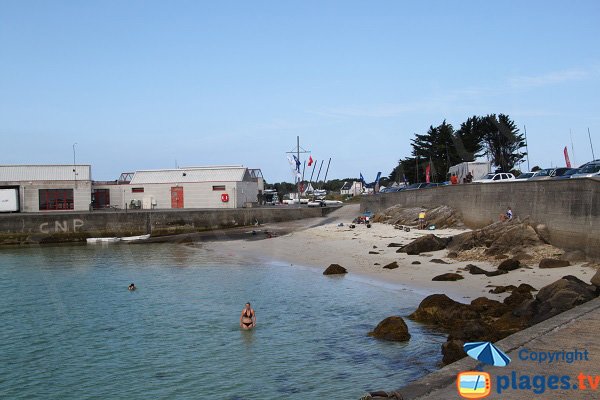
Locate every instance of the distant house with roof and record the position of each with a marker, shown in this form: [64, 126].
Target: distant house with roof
[351, 188]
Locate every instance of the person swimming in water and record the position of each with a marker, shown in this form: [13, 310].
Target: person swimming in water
[248, 317]
[132, 286]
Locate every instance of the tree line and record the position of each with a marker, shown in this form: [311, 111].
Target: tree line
[494, 136]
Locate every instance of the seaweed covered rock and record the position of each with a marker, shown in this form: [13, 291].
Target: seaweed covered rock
[441, 310]
[392, 328]
[335, 269]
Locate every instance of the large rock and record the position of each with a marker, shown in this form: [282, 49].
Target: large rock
[509, 265]
[555, 298]
[518, 296]
[392, 328]
[450, 276]
[498, 238]
[441, 310]
[335, 269]
[424, 244]
[553, 263]
[441, 217]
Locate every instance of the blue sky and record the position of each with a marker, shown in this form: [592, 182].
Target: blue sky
[148, 84]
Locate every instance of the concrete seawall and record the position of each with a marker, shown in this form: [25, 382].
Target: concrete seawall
[570, 208]
[77, 226]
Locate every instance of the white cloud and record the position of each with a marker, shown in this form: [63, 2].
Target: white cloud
[549, 79]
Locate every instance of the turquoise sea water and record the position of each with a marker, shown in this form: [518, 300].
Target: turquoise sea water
[70, 329]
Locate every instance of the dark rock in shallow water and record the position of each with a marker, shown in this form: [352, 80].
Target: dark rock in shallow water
[424, 244]
[392, 328]
[509, 265]
[552, 263]
[392, 265]
[450, 276]
[335, 269]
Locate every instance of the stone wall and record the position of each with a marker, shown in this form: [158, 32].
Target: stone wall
[77, 226]
[570, 207]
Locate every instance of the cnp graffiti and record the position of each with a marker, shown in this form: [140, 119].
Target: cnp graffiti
[65, 226]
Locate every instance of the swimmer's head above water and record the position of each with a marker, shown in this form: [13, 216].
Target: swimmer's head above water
[131, 286]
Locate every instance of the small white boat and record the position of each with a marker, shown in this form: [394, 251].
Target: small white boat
[103, 240]
[134, 238]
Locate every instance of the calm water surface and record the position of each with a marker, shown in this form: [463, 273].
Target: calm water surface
[71, 330]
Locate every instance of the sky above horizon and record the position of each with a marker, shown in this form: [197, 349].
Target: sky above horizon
[150, 84]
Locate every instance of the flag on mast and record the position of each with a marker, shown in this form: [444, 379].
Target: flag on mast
[310, 160]
[567, 161]
[427, 173]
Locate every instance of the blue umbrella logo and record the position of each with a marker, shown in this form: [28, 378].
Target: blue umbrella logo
[487, 353]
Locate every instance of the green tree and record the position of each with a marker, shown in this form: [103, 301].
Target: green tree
[502, 141]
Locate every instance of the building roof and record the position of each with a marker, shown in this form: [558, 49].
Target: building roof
[227, 173]
[19, 173]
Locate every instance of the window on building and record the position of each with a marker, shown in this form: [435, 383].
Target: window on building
[137, 190]
[56, 199]
[218, 187]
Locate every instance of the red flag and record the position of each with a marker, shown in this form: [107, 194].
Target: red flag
[427, 172]
[310, 161]
[567, 158]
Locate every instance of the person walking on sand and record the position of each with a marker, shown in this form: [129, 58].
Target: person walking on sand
[248, 317]
[507, 216]
[422, 219]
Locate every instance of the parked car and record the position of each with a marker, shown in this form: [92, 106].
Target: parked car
[589, 170]
[527, 175]
[496, 177]
[415, 186]
[550, 173]
[568, 174]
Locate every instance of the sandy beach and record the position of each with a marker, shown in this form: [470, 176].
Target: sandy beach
[317, 243]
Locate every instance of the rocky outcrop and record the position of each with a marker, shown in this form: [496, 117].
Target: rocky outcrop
[553, 263]
[392, 328]
[555, 298]
[335, 269]
[490, 320]
[424, 244]
[475, 270]
[498, 238]
[450, 276]
[441, 217]
[392, 265]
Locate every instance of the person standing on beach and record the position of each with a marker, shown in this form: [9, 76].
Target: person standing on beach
[422, 219]
[248, 317]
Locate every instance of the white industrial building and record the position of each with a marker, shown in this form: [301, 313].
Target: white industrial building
[47, 188]
[231, 186]
[43, 188]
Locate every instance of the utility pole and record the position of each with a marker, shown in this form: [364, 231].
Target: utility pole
[527, 147]
[297, 151]
[572, 148]
[591, 145]
[74, 164]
